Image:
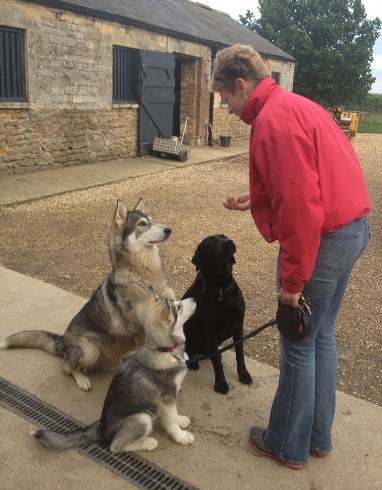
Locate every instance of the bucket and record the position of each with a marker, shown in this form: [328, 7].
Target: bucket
[225, 141]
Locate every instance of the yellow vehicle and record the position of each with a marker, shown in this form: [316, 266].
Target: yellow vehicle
[347, 121]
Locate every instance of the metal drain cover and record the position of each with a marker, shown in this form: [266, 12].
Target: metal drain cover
[136, 470]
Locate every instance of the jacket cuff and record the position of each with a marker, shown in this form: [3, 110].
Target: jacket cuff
[292, 287]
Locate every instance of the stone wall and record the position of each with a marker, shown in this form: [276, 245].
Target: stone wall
[69, 117]
[37, 139]
[225, 124]
[286, 70]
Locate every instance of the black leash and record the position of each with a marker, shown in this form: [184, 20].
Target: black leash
[233, 344]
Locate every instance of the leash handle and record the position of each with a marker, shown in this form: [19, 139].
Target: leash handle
[233, 344]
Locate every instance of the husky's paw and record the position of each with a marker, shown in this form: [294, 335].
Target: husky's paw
[149, 444]
[83, 382]
[145, 444]
[183, 421]
[184, 437]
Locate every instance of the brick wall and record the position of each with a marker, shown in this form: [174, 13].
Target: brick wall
[195, 98]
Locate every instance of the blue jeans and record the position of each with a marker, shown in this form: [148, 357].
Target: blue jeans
[303, 408]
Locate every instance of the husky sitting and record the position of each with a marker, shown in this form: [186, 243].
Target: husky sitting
[109, 325]
[145, 387]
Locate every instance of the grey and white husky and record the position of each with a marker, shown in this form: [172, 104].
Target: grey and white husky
[110, 325]
[146, 387]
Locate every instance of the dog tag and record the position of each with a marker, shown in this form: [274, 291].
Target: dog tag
[173, 358]
[176, 356]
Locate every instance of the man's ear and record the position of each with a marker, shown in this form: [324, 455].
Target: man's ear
[243, 86]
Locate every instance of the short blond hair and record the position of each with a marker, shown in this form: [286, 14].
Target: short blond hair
[237, 61]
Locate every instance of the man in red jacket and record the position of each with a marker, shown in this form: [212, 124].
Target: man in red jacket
[306, 190]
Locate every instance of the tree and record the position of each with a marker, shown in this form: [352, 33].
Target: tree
[332, 41]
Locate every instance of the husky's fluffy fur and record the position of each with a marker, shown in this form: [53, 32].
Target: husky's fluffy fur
[110, 324]
[146, 387]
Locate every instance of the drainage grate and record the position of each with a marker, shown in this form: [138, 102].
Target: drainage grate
[138, 471]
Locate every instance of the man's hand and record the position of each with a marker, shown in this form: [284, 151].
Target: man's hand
[238, 203]
[290, 299]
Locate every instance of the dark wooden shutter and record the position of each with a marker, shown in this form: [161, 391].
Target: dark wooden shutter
[156, 97]
[12, 65]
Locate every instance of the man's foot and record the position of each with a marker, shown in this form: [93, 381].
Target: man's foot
[318, 454]
[256, 439]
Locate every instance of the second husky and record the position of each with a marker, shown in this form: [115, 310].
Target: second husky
[146, 387]
[110, 324]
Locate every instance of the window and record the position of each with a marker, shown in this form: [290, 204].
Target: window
[276, 77]
[12, 64]
[125, 75]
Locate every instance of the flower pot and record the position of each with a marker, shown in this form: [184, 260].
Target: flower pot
[225, 141]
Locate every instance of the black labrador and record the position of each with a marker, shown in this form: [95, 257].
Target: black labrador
[220, 308]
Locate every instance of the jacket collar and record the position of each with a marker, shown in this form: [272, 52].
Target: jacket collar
[257, 99]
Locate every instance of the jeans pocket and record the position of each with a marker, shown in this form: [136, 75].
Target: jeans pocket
[341, 249]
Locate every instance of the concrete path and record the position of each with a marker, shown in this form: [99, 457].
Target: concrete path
[15, 189]
[220, 457]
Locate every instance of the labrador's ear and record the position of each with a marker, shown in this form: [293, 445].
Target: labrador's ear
[196, 258]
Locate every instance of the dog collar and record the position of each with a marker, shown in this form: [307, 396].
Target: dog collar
[167, 349]
[219, 290]
[173, 353]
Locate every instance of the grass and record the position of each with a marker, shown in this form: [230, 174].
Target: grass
[373, 124]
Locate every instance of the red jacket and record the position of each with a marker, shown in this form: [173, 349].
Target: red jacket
[305, 179]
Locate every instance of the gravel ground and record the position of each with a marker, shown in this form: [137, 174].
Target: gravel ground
[63, 241]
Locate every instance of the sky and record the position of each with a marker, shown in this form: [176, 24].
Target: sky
[373, 9]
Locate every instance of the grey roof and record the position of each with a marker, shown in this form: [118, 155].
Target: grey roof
[179, 18]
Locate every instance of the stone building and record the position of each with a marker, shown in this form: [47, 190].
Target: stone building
[84, 80]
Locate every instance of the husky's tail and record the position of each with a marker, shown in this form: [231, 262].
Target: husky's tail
[67, 440]
[37, 339]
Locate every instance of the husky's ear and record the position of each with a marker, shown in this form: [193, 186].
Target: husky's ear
[120, 214]
[196, 259]
[157, 321]
[168, 303]
[140, 206]
[168, 309]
